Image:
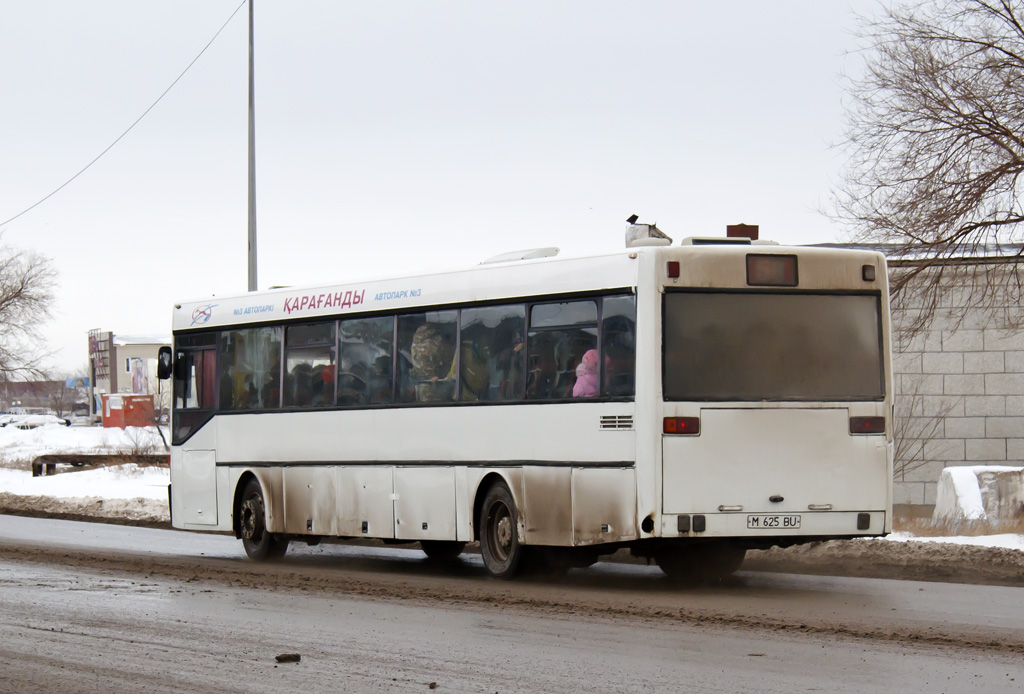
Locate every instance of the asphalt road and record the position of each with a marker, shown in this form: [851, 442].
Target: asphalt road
[88, 607]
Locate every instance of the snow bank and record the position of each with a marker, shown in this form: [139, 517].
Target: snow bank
[118, 492]
[1005, 540]
[980, 492]
[118, 482]
[136, 511]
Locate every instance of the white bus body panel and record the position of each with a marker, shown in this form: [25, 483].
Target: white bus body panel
[355, 468]
[197, 489]
[198, 480]
[603, 505]
[566, 433]
[547, 276]
[366, 495]
[311, 496]
[804, 455]
[425, 503]
[547, 505]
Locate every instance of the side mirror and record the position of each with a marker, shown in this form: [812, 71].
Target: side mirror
[163, 363]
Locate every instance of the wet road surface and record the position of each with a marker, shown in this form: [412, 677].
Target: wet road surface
[89, 607]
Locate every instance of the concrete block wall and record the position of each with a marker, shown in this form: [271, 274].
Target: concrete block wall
[959, 384]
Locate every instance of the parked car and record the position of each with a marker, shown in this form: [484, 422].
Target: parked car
[31, 421]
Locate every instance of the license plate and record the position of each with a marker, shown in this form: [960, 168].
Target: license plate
[773, 521]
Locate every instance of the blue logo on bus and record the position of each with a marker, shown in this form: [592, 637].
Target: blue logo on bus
[202, 314]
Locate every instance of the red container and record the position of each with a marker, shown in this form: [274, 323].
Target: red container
[122, 410]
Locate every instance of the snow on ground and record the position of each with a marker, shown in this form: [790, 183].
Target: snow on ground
[1004, 541]
[26, 444]
[134, 492]
[979, 492]
[120, 482]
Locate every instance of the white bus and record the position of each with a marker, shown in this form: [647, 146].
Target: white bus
[685, 402]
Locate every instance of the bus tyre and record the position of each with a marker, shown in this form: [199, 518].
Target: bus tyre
[706, 563]
[259, 544]
[440, 550]
[499, 539]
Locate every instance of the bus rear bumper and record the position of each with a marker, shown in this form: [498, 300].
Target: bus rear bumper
[808, 526]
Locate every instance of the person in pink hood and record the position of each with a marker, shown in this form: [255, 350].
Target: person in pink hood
[586, 376]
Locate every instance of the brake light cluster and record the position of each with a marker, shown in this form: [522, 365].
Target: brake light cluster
[691, 425]
[681, 425]
[867, 425]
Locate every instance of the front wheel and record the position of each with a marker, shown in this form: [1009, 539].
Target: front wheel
[259, 544]
[499, 538]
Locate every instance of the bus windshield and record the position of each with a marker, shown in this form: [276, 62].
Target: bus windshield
[765, 346]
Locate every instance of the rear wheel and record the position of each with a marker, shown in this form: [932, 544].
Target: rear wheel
[441, 550]
[705, 563]
[259, 544]
[499, 538]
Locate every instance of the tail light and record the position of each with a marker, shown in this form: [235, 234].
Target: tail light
[681, 425]
[867, 425]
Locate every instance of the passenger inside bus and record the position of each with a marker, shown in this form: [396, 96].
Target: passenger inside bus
[352, 385]
[586, 376]
[301, 385]
[472, 371]
[432, 355]
[380, 381]
[618, 343]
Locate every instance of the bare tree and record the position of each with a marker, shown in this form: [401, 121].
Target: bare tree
[914, 425]
[64, 400]
[26, 293]
[935, 137]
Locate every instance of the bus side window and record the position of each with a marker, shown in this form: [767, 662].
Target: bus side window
[560, 335]
[365, 347]
[249, 369]
[195, 376]
[427, 340]
[618, 342]
[492, 358]
[184, 380]
[309, 365]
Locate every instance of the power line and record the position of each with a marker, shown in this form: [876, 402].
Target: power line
[137, 120]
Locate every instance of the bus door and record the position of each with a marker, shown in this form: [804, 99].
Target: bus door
[194, 473]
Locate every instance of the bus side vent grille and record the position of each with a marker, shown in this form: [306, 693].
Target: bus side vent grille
[616, 421]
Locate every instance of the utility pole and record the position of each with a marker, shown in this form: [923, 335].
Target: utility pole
[252, 159]
[92, 389]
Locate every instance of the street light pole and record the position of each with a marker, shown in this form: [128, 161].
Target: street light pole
[252, 159]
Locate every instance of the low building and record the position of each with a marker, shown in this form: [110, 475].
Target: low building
[38, 395]
[126, 364]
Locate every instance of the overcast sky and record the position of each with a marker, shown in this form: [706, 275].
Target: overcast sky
[397, 137]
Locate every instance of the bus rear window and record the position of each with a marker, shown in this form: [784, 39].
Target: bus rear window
[752, 346]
